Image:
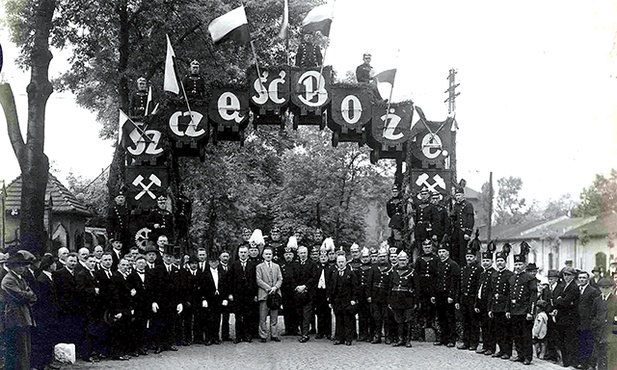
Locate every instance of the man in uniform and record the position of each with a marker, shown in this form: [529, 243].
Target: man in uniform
[277, 245]
[395, 208]
[160, 220]
[426, 269]
[306, 280]
[462, 224]
[139, 100]
[499, 290]
[365, 72]
[424, 217]
[118, 220]
[194, 84]
[378, 291]
[565, 310]
[309, 52]
[470, 279]
[402, 299]
[365, 324]
[441, 221]
[445, 293]
[520, 312]
[481, 303]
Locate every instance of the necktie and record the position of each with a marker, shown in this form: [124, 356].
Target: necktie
[168, 269]
[340, 273]
[243, 266]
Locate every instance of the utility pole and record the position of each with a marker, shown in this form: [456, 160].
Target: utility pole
[490, 207]
[451, 91]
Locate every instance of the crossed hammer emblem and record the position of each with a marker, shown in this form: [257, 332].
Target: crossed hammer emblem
[437, 181]
[154, 180]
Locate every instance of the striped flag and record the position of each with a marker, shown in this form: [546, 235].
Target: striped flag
[230, 26]
[127, 130]
[170, 83]
[318, 19]
[285, 24]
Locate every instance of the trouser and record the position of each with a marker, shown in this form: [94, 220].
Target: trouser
[212, 318]
[551, 340]
[200, 319]
[225, 323]
[567, 340]
[254, 319]
[18, 348]
[459, 245]
[391, 327]
[305, 313]
[471, 324]
[380, 315]
[488, 332]
[264, 332]
[447, 319]
[188, 321]
[601, 355]
[404, 319]
[243, 311]
[521, 333]
[44, 338]
[345, 323]
[585, 348]
[503, 333]
[427, 309]
[365, 325]
[324, 314]
[120, 337]
[290, 312]
[138, 330]
[165, 326]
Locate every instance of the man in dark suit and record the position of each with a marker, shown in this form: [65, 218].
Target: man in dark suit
[306, 280]
[585, 314]
[481, 305]
[223, 269]
[70, 319]
[166, 301]
[89, 291]
[116, 253]
[445, 293]
[215, 290]
[499, 293]
[243, 293]
[320, 304]
[289, 269]
[192, 283]
[343, 297]
[18, 298]
[121, 312]
[565, 310]
[103, 279]
[551, 332]
[140, 280]
[604, 325]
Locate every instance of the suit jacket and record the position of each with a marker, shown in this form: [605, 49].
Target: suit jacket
[193, 288]
[86, 284]
[499, 290]
[523, 292]
[267, 278]
[565, 301]
[307, 275]
[213, 295]
[604, 319]
[167, 286]
[585, 307]
[66, 289]
[45, 310]
[18, 299]
[105, 288]
[142, 299]
[121, 295]
[483, 292]
[343, 289]
[243, 281]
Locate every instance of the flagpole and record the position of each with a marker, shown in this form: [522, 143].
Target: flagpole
[325, 50]
[148, 99]
[263, 89]
[392, 88]
[188, 106]
[142, 133]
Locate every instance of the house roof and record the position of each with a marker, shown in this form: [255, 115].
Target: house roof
[564, 227]
[63, 200]
[471, 194]
[601, 226]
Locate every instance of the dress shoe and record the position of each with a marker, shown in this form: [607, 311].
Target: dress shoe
[157, 350]
[488, 353]
[388, 341]
[303, 339]
[216, 341]
[408, 344]
[134, 354]
[497, 354]
[121, 358]
[527, 362]
[437, 344]
[472, 348]
[348, 343]
[263, 340]
[480, 350]
[450, 345]
[505, 357]
[319, 336]
[172, 348]
[236, 341]
[517, 359]
[143, 352]
[337, 342]
[376, 340]
[248, 340]
[276, 339]
[462, 346]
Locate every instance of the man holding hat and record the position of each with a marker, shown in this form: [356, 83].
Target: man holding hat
[18, 298]
[499, 290]
[445, 293]
[462, 224]
[565, 310]
[521, 309]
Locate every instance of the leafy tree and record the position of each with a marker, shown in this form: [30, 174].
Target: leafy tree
[30, 24]
[599, 197]
[93, 193]
[510, 208]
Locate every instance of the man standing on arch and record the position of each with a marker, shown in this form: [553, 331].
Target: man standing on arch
[462, 225]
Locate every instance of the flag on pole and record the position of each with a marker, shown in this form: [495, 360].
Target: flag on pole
[170, 83]
[285, 24]
[318, 19]
[386, 76]
[127, 130]
[230, 26]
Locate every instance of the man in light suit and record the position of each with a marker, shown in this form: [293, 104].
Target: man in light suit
[269, 280]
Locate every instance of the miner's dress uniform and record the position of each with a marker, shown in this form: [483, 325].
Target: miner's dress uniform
[499, 289]
[363, 73]
[403, 282]
[441, 222]
[137, 104]
[365, 324]
[378, 284]
[309, 55]
[396, 210]
[462, 224]
[425, 216]
[426, 269]
[164, 219]
[118, 225]
[194, 86]
[482, 300]
[447, 286]
[521, 304]
[470, 279]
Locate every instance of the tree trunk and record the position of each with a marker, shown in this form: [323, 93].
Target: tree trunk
[33, 162]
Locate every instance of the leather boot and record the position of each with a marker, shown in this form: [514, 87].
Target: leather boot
[409, 331]
[401, 340]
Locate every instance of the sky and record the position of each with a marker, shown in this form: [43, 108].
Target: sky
[538, 82]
